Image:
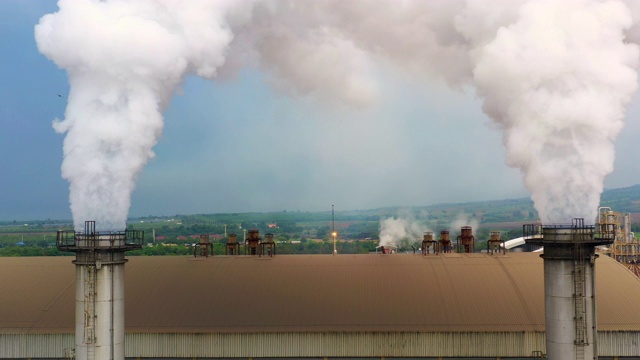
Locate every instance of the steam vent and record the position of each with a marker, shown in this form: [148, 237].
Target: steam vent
[569, 283]
[99, 324]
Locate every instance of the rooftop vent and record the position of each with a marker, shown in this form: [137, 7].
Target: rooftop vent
[231, 247]
[466, 241]
[495, 244]
[253, 242]
[445, 242]
[428, 242]
[204, 247]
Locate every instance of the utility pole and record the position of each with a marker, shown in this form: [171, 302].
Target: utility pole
[333, 230]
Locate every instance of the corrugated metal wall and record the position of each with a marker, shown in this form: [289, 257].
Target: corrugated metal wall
[618, 343]
[35, 346]
[500, 344]
[290, 345]
[335, 345]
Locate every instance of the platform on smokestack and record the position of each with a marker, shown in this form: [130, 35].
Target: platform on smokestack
[575, 233]
[90, 239]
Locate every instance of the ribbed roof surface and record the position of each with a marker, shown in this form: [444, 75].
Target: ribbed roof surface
[303, 293]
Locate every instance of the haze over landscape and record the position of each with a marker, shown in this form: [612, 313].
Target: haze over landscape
[311, 113]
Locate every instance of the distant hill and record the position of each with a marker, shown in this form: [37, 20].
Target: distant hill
[624, 200]
[501, 213]
[515, 211]
[303, 229]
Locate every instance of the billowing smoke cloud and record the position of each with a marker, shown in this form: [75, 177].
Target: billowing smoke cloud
[124, 60]
[555, 77]
[558, 81]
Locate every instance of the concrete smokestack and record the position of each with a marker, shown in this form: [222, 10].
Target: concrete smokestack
[99, 288]
[569, 285]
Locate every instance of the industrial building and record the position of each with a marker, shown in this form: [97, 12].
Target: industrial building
[626, 247]
[447, 305]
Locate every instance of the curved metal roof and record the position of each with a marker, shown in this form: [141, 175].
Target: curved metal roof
[310, 293]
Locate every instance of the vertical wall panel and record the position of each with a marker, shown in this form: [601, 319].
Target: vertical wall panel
[393, 344]
[35, 346]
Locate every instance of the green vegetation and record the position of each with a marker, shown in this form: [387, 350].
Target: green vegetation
[303, 232]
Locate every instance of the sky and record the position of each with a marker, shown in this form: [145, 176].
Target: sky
[240, 144]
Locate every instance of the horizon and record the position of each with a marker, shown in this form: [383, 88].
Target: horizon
[275, 211]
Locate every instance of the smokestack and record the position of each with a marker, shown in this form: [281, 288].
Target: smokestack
[569, 285]
[99, 288]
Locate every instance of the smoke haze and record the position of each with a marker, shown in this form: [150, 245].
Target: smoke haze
[463, 220]
[555, 77]
[400, 231]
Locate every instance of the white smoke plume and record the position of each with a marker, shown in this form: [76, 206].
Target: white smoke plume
[400, 232]
[558, 81]
[124, 60]
[555, 77]
[463, 220]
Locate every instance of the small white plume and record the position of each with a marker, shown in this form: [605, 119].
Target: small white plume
[463, 220]
[400, 232]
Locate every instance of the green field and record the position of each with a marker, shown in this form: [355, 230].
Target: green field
[305, 232]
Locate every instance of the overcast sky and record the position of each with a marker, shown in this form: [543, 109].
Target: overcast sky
[238, 145]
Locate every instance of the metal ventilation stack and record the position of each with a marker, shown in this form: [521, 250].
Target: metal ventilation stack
[495, 245]
[569, 285]
[204, 248]
[428, 242]
[444, 244]
[252, 242]
[99, 288]
[232, 245]
[466, 240]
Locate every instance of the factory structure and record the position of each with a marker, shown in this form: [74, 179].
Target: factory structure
[625, 248]
[446, 305]
[445, 302]
[99, 288]
[569, 285]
